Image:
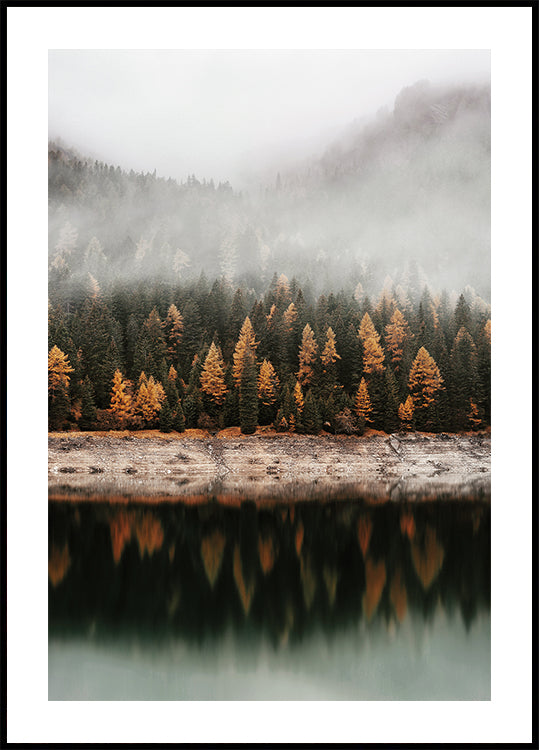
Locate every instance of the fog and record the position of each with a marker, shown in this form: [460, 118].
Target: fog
[338, 168]
[219, 114]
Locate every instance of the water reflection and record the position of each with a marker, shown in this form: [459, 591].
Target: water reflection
[281, 572]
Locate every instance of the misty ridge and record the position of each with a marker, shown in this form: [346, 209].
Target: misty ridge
[402, 198]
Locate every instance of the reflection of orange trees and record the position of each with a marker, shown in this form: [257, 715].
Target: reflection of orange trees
[149, 534]
[266, 553]
[397, 594]
[331, 579]
[120, 533]
[145, 527]
[427, 557]
[375, 580]
[59, 562]
[246, 589]
[212, 548]
[308, 580]
[298, 539]
[364, 531]
[407, 525]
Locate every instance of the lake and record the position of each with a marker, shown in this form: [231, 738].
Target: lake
[205, 600]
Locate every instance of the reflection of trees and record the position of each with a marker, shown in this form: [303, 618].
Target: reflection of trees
[212, 548]
[428, 557]
[375, 580]
[59, 562]
[143, 525]
[283, 571]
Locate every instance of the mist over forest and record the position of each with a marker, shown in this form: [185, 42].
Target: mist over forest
[400, 199]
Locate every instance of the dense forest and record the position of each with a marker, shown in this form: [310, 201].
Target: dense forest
[176, 356]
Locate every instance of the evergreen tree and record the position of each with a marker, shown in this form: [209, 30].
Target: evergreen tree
[463, 381]
[248, 403]
[268, 387]
[391, 405]
[245, 350]
[310, 418]
[88, 411]
[328, 359]
[363, 406]
[166, 417]
[406, 413]
[173, 334]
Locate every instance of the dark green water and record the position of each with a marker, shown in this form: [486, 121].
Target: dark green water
[344, 601]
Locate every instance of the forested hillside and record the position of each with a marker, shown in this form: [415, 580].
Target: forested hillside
[412, 184]
[352, 291]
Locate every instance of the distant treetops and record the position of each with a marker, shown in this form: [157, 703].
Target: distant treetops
[204, 360]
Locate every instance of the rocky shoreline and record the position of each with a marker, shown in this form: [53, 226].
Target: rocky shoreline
[230, 468]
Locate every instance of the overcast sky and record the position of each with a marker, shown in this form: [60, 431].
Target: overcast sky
[219, 113]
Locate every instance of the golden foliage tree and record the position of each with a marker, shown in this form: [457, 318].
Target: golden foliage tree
[397, 332]
[149, 398]
[406, 412]
[424, 381]
[290, 317]
[307, 357]
[121, 402]
[59, 369]
[362, 405]
[268, 383]
[373, 354]
[298, 397]
[212, 377]
[246, 342]
[329, 359]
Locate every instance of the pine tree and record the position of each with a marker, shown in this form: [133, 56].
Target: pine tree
[148, 401]
[406, 413]
[397, 333]
[88, 410]
[212, 377]
[166, 417]
[59, 370]
[310, 418]
[463, 381]
[178, 419]
[298, 398]
[268, 387]
[307, 357]
[362, 405]
[391, 403]
[59, 403]
[245, 347]
[373, 354]
[173, 333]
[121, 403]
[328, 359]
[248, 406]
[424, 383]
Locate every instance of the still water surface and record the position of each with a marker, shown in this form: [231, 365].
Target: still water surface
[307, 601]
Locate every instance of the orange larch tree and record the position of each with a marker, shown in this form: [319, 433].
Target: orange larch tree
[212, 377]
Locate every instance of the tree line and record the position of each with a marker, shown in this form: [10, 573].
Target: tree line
[171, 356]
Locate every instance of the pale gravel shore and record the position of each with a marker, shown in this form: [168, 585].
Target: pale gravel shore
[188, 466]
